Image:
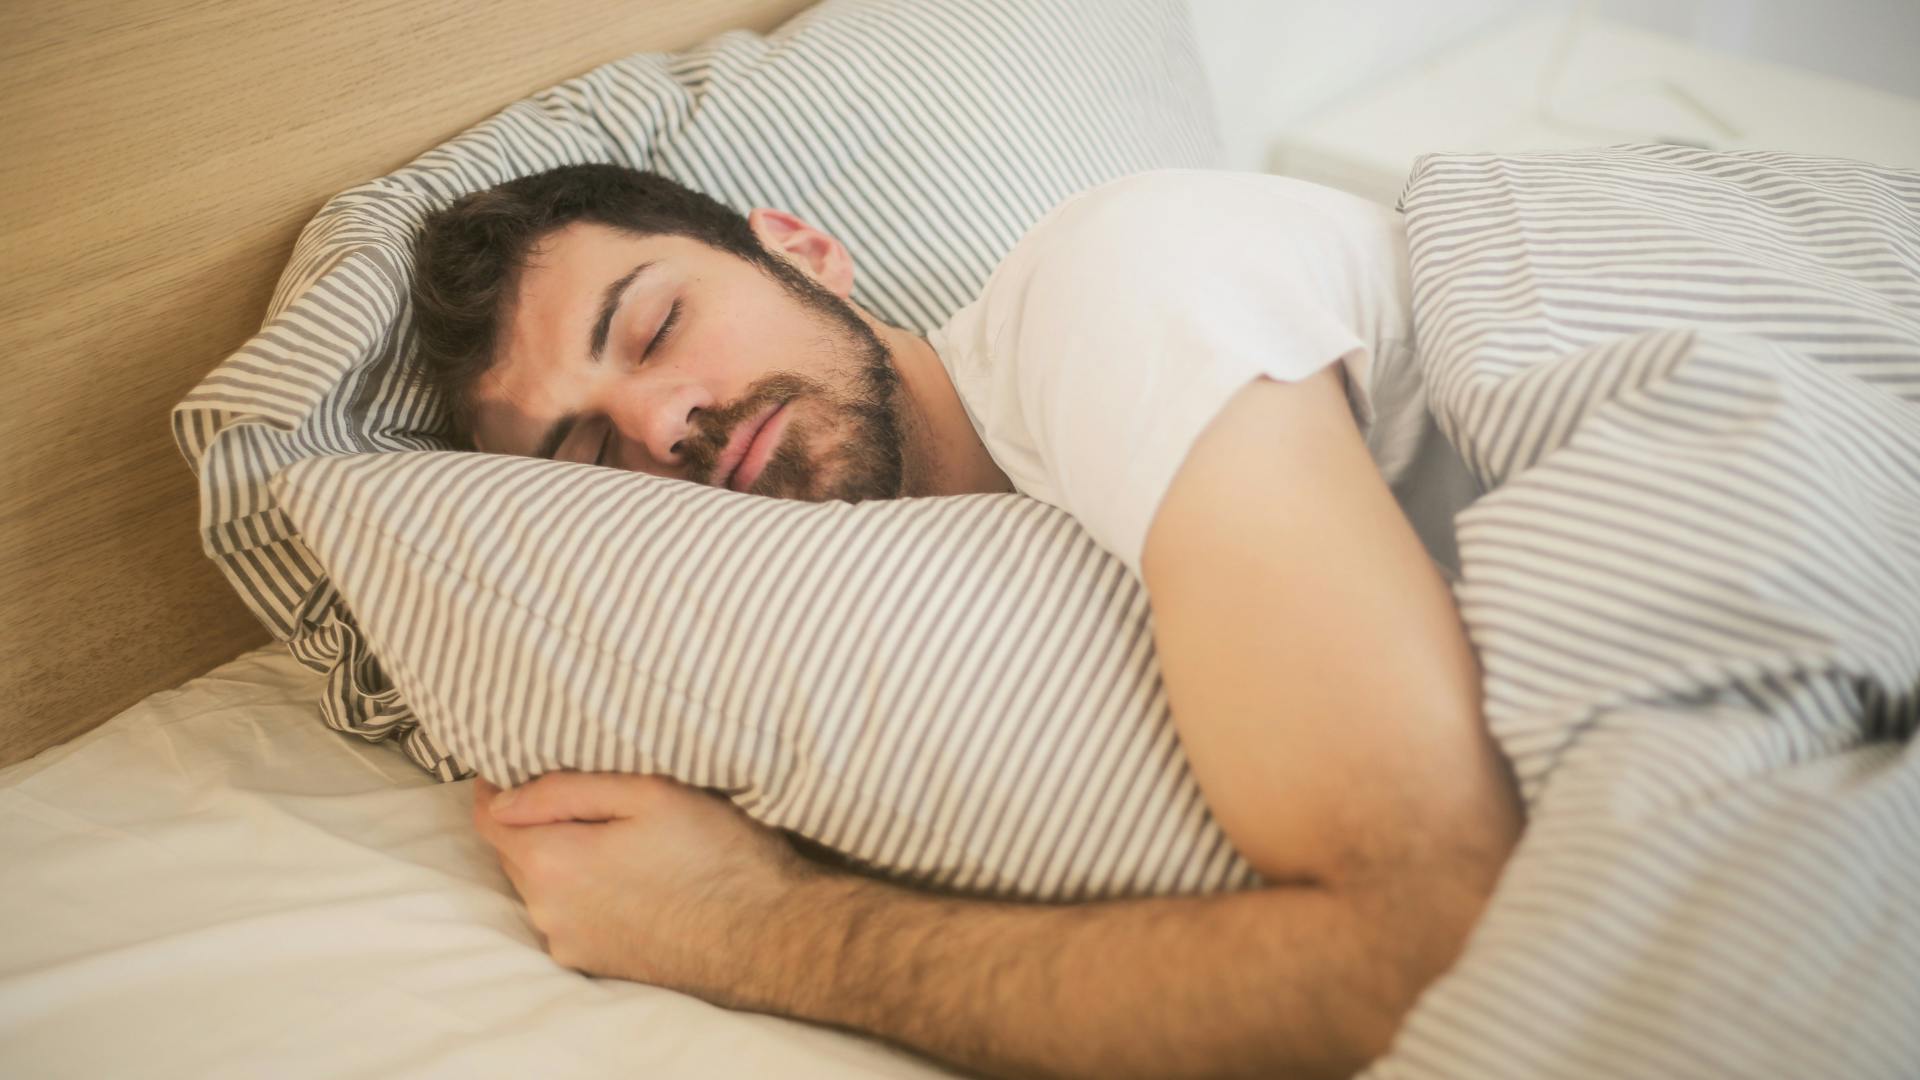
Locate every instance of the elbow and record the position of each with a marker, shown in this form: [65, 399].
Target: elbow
[1409, 929]
[1419, 928]
[1415, 906]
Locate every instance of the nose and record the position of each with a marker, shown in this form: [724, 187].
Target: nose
[655, 430]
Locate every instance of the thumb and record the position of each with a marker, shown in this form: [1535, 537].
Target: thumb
[568, 796]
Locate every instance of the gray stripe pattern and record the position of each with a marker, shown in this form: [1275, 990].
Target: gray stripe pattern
[928, 137]
[1691, 382]
[958, 691]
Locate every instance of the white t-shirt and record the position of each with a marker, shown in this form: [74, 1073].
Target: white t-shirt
[1120, 325]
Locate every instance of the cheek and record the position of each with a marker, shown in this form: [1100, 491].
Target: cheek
[742, 352]
[777, 333]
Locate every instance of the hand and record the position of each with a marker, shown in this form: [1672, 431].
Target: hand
[642, 878]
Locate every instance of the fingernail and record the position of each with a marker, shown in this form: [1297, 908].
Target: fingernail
[501, 801]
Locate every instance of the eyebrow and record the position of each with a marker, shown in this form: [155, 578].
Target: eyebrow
[609, 303]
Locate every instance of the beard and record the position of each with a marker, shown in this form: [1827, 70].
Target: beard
[855, 410]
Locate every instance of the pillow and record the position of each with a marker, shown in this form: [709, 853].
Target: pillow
[928, 137]
[958, 690]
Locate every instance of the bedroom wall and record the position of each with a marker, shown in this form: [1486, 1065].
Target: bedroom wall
[1872, 42]
[1276, 63]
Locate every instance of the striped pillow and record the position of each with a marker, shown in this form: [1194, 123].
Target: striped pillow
[927, 137]
[958, 690]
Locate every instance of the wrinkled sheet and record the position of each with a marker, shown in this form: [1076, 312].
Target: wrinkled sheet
[213, 885]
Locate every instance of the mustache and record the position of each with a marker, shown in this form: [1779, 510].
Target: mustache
[714, 429]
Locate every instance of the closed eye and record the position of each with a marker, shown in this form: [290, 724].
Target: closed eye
[666, 327]
[600, 458]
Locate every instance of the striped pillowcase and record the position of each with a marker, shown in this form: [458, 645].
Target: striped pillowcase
[960, 691]
[927, 137]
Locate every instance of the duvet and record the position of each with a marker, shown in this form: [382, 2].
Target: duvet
[1689, 385]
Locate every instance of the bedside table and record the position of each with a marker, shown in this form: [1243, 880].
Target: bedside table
[1557, 82]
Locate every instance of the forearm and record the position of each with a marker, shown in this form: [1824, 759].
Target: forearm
[1285, 981]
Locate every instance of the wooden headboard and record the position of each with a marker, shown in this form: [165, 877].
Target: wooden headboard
[159, 159]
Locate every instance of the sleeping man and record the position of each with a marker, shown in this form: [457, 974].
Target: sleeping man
[1211, 372]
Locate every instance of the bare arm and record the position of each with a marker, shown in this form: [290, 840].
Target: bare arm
[1329, 704]
[1321, 680]
[1291, 981]
[1328, 700]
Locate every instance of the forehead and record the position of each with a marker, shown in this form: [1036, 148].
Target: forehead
[571, 259]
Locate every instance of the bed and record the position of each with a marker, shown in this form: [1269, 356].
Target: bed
[218, 886]
[207, 880]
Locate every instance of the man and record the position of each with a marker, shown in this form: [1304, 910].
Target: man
[1176, 359]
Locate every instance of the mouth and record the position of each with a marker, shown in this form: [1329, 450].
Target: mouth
[739, 462]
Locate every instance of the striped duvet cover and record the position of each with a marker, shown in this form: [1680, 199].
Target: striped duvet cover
[1690, 384]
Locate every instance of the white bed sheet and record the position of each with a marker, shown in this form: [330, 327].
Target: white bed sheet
[215, 884]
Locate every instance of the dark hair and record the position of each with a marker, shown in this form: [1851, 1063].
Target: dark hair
[470, 255]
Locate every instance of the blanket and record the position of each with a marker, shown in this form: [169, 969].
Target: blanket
[1689, 385]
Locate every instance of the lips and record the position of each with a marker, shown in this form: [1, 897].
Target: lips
[741, 443]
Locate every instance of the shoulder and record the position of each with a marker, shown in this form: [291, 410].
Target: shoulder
[1173, 202]
[1142, 212]
[1179, 234]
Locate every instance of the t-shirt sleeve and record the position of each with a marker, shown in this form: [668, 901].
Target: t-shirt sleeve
[1139, 322]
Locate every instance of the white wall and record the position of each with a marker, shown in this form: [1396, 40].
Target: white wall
[1274, 62]
[1875, 42]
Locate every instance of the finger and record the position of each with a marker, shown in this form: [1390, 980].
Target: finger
[483, 793]
[577, 796]
[494, 832]
[500, 842]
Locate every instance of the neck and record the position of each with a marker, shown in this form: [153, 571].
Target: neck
[944, 453]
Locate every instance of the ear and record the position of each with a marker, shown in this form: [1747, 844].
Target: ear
[823, 258]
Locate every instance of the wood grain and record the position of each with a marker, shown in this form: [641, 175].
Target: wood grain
[159, 159]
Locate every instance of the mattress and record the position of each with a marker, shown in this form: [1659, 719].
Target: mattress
[211, 884]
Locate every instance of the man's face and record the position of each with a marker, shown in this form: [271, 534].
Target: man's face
[662, 355]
